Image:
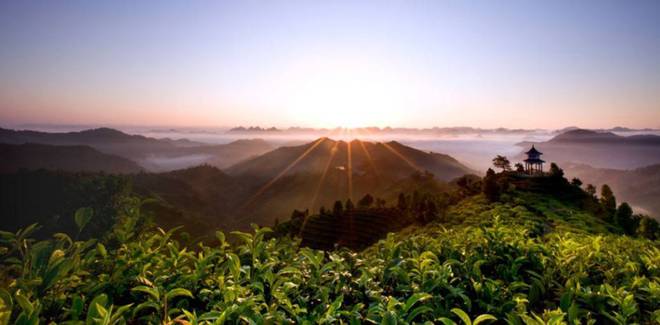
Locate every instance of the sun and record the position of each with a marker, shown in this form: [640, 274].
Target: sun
[343, 93]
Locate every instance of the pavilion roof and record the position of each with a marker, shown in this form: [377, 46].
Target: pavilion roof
[533, 151]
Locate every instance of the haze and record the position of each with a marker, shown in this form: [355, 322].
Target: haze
[517, 64]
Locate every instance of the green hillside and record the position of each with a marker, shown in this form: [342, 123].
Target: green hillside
[527, 255]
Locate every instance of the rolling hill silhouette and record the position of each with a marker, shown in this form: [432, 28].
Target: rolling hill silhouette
[269, 187]
[77, 158]
[640, 187]
[151, 153]
[600, 149]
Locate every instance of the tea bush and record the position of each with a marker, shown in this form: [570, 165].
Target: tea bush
[514, 262]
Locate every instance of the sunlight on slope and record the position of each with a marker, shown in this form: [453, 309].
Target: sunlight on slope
[282, 173]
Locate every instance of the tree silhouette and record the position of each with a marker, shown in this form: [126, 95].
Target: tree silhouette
[607, 200]
[490, 187]
[591, 190]
[502, 162]
[402, 203]
[648, 228]
[366, 201]
[349, 205]
[555, 171]
[338, 209]
[624, 217]
[576, 181]
[519, 167]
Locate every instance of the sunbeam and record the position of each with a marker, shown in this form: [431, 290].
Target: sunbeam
[349, 169]
[282, 173]
[370, 160]
[398, 154]
[333, 152]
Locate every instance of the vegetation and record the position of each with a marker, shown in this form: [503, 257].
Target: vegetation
[534, 255]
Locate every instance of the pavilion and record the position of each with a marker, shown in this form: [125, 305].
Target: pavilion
[533, 163]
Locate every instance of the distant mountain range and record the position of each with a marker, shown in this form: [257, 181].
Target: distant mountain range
[600, 149]
[441, 131]
[150, 153]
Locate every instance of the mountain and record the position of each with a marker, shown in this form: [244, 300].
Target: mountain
[316, 174]
[600, 149]
[66, 158]
[151, 153]
[268, 187]
[640, 187]
[391, 159]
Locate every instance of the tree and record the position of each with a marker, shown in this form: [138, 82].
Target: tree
[297, 214]
[366, 201]
[520, 168]
[607, 200]
[576, 182]
[502, 162]
[431, 211]
[338, 209]
[402, 203]
[624, 217]
[380, 203]
[555, 171]
[469, 184]
[648, 228]
[490, 187]
[349, 205]
[591, 190]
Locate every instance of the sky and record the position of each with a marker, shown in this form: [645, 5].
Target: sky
[517, 64]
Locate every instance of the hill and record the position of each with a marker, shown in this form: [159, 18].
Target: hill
[314, 175]
[151, 153]
[600, 149]
[391, 159]
[199, 198]
[640, 187]
[66, 158]
[528, 257]
[258, 191]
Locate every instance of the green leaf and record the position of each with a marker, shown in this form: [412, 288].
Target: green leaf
[82, 217]
[234, 264]
[25, 304]
[415, 299]
[77, 307]
[446, 321]
[145, 305]
[101, 249]
[6, 305]
[418, 311]
[389, 318]
[94, 311]
[483, 318]
[148, 290]
[462, 315]
[178, 292]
